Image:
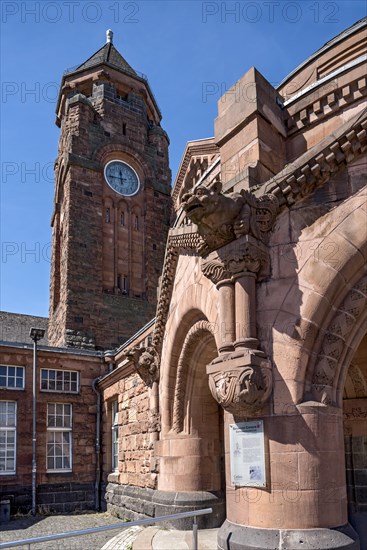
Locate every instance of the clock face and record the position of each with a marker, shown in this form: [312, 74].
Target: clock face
[122, 178]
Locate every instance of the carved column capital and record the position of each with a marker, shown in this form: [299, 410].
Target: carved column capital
[241, 382]
[244, 255]
[214, 269]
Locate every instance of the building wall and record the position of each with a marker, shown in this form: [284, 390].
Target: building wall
[63, 491]
[94, 251]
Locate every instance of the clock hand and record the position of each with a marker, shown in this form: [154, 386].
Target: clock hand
[117, 178]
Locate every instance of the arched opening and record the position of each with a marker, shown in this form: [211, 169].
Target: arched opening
[355, 439]
[192, 449]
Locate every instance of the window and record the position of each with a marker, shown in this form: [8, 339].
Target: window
[59, 425]
[59, 380]
[122, 218]
[136, 223]
[11, 377]
[115, 436]
[8, 426]
[108, 215]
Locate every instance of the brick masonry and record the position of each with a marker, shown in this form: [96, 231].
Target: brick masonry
[64, 491]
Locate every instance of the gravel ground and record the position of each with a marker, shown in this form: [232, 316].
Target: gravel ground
[29, 527]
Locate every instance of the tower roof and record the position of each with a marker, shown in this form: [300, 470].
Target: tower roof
[107, 54]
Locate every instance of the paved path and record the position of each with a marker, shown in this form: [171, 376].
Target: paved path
[135, 537]
[27, 527]
[155, 538]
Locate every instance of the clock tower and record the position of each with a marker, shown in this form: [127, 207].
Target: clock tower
[112, 204]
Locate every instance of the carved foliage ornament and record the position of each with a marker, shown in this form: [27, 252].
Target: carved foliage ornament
[328, 361]
[242, 391]
[244, 254]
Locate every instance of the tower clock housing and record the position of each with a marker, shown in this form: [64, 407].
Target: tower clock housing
[112, 204]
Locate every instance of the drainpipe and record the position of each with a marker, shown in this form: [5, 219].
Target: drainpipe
[35, 334]
[98, 446]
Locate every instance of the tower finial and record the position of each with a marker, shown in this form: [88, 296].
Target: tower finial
[109, 36]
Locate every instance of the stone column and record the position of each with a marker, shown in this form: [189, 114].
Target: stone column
[304, 504]
[245, 292]
[226, 315]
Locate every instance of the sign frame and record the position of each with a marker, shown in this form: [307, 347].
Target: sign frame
[247, 454]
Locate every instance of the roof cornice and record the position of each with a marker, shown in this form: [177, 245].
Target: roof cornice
[316, 166]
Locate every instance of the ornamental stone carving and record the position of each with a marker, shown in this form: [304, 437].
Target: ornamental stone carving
[145, 362]
[244, 254]
[234, 229]
[241, 382]
[222, 218]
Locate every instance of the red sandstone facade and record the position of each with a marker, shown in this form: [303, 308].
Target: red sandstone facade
[261, 316]
[108, 248]
[262, 313]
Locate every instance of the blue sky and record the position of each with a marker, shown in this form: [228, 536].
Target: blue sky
[191, 51]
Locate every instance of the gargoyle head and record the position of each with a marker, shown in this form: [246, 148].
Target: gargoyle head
[202, 201]
[145, 362]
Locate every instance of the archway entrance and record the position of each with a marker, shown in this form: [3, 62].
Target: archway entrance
[192, 444]
[355, 438]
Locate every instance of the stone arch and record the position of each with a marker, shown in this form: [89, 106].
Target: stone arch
[184, 330]
[198, 335]
[318, 286]
[338, 344]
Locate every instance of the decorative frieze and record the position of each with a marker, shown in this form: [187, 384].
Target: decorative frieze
[318, 165]
[323, 105]
[327, 364]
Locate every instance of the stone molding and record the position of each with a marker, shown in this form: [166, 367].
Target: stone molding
[193, 337]
[320, 163]
[179, 240]
[199, 154]
[340, 97]
[327, 366]
[233, 536]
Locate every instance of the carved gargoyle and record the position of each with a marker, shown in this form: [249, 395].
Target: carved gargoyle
[145, 361]
[213, 213]
[222, 218]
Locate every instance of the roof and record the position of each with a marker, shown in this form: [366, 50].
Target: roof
[329, 44]
[107, 54]
[15, 327]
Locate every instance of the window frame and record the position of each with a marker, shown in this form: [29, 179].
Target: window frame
[6, 430]
[59, 430]
[7, 376]
[63, 390]
[114, 436]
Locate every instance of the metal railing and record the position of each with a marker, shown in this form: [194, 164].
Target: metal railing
[193, 514]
